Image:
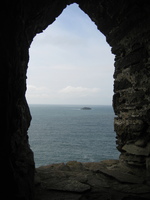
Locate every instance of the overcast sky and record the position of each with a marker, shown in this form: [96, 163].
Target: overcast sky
[70, 63]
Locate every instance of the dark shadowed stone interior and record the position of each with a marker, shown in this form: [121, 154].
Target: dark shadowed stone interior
[126, 25]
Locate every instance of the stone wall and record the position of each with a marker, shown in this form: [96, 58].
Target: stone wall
[126, 27]
[131, 86]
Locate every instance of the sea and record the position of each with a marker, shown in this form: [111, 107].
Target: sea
[62, 133]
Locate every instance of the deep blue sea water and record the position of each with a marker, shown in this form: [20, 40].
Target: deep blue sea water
[61, 133]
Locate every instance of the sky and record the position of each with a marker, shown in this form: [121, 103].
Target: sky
[70, 63]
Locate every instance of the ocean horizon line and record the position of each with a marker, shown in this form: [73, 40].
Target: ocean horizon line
[69, 104]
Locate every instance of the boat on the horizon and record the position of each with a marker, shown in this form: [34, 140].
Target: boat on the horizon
[86, 108]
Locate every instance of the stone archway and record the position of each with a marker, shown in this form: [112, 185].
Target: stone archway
[129, 53]
[82, 73]
[126, 27]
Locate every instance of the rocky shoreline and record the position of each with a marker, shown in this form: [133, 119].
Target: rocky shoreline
[108, 179]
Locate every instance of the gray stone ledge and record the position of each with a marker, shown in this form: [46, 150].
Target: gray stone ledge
[108, 179]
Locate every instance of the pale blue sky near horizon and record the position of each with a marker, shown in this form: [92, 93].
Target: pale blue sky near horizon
[70, 63]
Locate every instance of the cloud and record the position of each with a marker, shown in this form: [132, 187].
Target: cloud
[80, 91]
[67, 95]
[34, 91]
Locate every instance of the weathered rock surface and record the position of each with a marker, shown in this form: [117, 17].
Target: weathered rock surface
[102, 180]
[136, 150]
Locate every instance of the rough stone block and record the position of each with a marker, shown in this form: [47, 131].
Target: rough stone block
[136, 150]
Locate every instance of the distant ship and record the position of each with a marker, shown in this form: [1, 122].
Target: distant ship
[86, 108]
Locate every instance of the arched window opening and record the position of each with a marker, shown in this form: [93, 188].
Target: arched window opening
[71, 66]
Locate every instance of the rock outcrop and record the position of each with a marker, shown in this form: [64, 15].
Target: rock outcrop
[103, 180]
